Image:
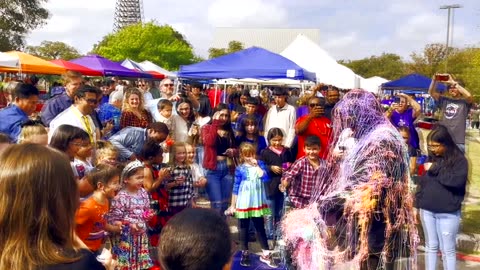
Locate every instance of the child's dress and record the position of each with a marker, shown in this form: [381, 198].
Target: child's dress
[131, 249]
[251, 200]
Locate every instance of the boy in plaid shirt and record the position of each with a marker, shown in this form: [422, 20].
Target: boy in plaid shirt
[301, 178]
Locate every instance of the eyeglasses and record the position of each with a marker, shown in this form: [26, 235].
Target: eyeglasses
[168, 84]
[433, 146]
[92, 101]
[313, 105]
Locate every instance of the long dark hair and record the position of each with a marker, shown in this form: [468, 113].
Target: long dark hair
[452, 153]
[228, 125]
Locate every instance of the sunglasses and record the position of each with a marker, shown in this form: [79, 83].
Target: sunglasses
[313, 105]
[92, 101]
[168, 84]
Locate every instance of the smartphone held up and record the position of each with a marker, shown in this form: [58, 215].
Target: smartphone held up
[441, 77]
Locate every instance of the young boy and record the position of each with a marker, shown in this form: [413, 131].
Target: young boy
[301, 178]
[165, 108]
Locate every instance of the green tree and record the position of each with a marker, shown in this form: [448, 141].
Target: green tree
[388, 65]
[233, 46]
[430, 61]
[464, 64]
[51, 50]
[17, 19]
[162, 45]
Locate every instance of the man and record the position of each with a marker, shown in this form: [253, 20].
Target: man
[72, 80]
[79, 113]
[331, 98]
[314, 123]
[130, 140]
[454, 108]
[152, 89]
[25, 99]
[250, 110]
[111, 112]
[282, 116]
[403, 114]
[204, 108]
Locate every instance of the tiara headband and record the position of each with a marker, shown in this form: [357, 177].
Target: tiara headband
[130, 167]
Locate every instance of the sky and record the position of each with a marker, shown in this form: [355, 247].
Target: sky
[349, 29]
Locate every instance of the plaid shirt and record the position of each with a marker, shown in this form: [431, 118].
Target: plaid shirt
[302, 178]
[129, 119]
[181, 195]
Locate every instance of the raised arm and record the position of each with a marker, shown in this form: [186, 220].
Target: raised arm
[432, 90]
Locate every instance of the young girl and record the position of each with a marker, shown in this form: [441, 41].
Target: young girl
[199, 180]
[91, 225]
[155, 175]
[250, 133]
[249, 202]
[180, 185]
[277, 158]
[106, 153]
[131, 207]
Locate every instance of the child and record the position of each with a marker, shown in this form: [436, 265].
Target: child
[180, 185]
[278, 159]
[199, 180]
[106, 153]
[33, 132]
[165, 108]
[412, 152]
[250, 133]
[250, 111]
[155, 175]
[131, 207]
[91, 226]
[299, 179]
[249, 202]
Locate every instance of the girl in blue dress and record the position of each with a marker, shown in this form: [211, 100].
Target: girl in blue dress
[249, 202]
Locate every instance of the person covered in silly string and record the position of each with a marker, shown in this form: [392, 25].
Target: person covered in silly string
[131, 206]
[361, 216]
[249, 202]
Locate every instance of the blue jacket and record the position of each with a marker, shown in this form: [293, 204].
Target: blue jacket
[54, 107]
[12, 118]
[128, 141]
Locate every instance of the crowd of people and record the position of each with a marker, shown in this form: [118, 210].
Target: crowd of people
[129, 162]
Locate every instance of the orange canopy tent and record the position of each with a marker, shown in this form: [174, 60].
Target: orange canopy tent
[33, 64]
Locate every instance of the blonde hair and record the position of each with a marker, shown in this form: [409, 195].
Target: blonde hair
[37, 207]
[30, 131]
[71, 75]
[133, 91]
[174, 152]
[104, 148]
[247, 150]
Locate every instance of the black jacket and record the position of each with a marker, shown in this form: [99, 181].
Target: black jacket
[443, 191]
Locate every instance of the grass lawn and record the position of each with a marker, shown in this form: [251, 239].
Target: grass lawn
[471, 209]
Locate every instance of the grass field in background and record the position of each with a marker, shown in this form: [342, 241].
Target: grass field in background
[471, 209]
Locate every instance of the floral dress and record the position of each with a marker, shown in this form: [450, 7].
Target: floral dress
[131, 248]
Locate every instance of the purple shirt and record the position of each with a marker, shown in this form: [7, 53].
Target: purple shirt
[406, 119]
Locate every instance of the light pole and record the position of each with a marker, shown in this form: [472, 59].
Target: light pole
[449, 7]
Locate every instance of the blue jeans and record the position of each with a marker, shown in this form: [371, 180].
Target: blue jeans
[440, 230]
[219, 187]
[271, 221]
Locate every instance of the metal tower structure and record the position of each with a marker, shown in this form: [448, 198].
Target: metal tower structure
[127, 12]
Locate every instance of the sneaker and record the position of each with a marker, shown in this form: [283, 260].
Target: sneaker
[269, 260]
[245, 259]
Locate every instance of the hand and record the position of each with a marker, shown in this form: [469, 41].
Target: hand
[251, 161]
[180, 180]
[230, 211]
[106, 259]
[201, 182]
[117, 227]
[276, 169]
[282, 187]
[216, 116]
[230, 152]
[174, 98]
[164, 173]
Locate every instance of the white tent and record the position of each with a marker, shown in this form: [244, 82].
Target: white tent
[10, 61]
[310, 56]
[372, 84]
[149, 66]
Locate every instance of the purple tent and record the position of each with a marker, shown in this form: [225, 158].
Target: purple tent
[107, 67]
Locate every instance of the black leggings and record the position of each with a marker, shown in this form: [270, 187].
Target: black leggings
[259, 228]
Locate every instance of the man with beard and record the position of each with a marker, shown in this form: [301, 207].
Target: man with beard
[454, 107]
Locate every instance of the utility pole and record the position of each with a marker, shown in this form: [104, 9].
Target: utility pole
[450, 13]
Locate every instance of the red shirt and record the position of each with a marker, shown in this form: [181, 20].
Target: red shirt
[320, 127]
[215, 95]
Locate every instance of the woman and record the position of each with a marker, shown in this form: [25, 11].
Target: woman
[37, 210]
[219, 145]
[183, 120]
[440, 196]
[133, 112]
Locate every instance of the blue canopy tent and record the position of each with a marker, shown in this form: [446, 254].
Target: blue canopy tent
[253, 62]
[412, 82]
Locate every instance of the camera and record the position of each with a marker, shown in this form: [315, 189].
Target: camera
[396, 100]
